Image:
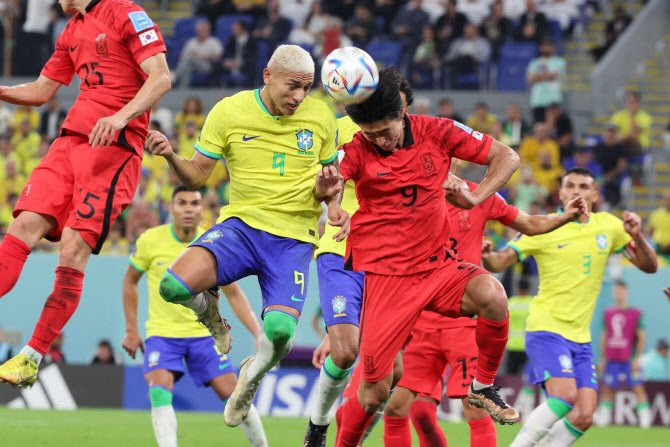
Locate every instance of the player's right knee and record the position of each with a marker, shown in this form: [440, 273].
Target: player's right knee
[160, 396]
[173, 289]
[560, 406]
[279, 327]
[334, 369]
[346, 357]
[374, 397]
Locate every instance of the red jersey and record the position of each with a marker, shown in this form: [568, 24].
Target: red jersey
[465, 241]
[105, 47]
[401, 226]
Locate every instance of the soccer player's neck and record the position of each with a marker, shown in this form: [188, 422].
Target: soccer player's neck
[267, 101]
[184, 234]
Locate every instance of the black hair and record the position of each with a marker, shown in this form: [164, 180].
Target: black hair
[635, 94]
[580, 171]
[404, 86]
[384, 104]
[621, 282]
[182, 188]
[524, 284]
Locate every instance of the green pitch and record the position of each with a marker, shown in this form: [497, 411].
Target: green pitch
[114, 428]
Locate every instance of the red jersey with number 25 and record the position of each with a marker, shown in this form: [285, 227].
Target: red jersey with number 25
[105, 47]
[401, 226]
[465, 241]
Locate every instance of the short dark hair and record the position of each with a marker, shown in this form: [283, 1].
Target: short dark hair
[404, 86]
[621, 282]
[182, 188]
[580, 171]
[384, 104]
[635, 94]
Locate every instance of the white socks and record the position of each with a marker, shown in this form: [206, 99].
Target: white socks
[644, 415]
[266, 357]
[479, 386]
[253, 428]
[197, 304]
[329, 389]
[164, 420]
[536, 426]
[31, 354]
[562, 434]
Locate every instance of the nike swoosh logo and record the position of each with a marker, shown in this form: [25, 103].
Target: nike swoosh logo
[382, 174]
[224, 365]
[161, 263]
[246, 138]
[563, 245]
[73, 48]
[294, 298]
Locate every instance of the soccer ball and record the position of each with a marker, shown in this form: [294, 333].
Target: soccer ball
[349, 75]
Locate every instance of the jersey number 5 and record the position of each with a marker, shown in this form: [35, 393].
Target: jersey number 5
[91, 71]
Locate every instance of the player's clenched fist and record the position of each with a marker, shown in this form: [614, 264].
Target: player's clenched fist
[458, 193]
[158, 144]
[328, 182]
[338, 217]
[632, 223]
[576, 208]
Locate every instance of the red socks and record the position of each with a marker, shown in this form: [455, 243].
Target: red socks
[13, 255]
[491, 337]
[482, 432]
[58, 309]
[397, 432]
[354, 422]
[424, 418]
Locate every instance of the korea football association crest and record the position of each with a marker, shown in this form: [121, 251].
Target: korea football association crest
[305, 139]
[339, 306]
[153, 358]
[601, 239]
[566, 363]
[211, 236]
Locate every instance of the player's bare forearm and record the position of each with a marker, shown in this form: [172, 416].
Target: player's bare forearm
[33, 93]
[130, 299]
[157, 84]
[499, 260]
[240, 305]
[194, 172]
[328, 184]
[532, 225]
[642, 255]
[502, 162]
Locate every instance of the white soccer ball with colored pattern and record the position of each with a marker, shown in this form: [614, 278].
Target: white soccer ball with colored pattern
[349, 75]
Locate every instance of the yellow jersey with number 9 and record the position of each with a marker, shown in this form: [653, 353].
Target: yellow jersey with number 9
[346, 129]
[272, 161]
[571, 263]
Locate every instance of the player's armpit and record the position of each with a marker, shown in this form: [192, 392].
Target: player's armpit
[499, 260]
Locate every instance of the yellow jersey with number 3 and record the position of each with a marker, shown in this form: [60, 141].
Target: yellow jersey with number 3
[571, 262]
[272, 161]
[154, 251]
[346, 130]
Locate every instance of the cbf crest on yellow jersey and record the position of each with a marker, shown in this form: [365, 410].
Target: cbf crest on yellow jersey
[272, 161]
[571, 261]
[154, 251]
[346, 129]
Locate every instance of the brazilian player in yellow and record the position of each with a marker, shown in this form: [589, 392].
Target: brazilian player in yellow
[280, 148]
[174, 337]
[571, 262]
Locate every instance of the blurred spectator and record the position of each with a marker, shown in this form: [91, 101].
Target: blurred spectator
[343, 9]
[104, 355]
[35, 38]
[563, 11]
[140, 216]
[199, 55]
[6, 119]
[163, 116]
[548, 172]
[654, 363]
[516, 342]
[515, 127]
[449, 27]
[332, 38]
[6, 216]
[52, 118]
[532, 24]
[253, 7]
[6, 153]
[187, 140]
[583, 158]
[318, 20]
[55, 352]
[533, 146]
[559, 125]
[514, 9]
[273, 29]
[498, 133]
[481, 119]
[612, 156]
[147, 187]
[496, 28]
[387, 10]
[633, 124]
[22, 113]
[465, 56]
[116, 243]
[446, 110]
[25, 142]
[13, 181]
[191, 111]
[43, 149]
[614, 29]
[474, 10]
[421, 106]
[362, 27]
[659, 225]
[407, 27]
[239, 58]
[544, 75]
[296, 11]
[527, 190]
[213, 9]
[426, 60]
[666, 137]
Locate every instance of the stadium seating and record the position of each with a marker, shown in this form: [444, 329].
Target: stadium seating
[224, 25]
[385, 53]
[512, 64]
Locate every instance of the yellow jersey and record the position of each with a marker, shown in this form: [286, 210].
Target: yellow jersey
[154, 251]
[272, 161]
[659, 222]
[571, 261]
[346, 129]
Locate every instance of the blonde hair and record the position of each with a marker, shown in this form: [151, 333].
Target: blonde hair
[292, 58]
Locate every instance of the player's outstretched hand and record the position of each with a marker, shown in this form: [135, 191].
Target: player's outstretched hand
[458, 193]
[131, 342]
[338, 217]
[632, 223]
[321, 352]
[104, 130]
[328, 182]
[576, 208]
[158, 144]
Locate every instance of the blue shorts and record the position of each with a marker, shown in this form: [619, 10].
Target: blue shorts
[621, 374]
[340, 291]
[281, 264]
[551, 355]
[199, 354]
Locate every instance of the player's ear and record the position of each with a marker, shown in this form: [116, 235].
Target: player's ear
[266, 76]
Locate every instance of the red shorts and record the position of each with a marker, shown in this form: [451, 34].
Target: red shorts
[392, 304]
[430, 353]
[81, 187]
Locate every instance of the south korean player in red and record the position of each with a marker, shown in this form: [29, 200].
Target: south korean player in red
[439, 342]
[400, 238]
[92, 169]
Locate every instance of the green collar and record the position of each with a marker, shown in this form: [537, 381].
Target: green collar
[257, 95]
[176, 238]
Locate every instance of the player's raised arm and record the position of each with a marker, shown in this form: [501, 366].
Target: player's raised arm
[638, 251]
[531, 225]
[240, 304]
[193, 173]
[502, 162]
[497, 261]
[33, 93]
[132, 341]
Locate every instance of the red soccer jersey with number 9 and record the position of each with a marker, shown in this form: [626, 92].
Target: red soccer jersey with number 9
[105, 47]
[401, 226]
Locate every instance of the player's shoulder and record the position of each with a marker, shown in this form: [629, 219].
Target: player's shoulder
[155, 233]
[605, 219]
[315, 105]
[236, 105]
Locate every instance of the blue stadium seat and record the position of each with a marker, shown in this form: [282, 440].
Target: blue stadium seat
[385, 53]
[224, 25]
[556, 34]
[185, 28]
[512, 64]
[262, 58]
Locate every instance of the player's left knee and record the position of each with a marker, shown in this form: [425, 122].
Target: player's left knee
[279, 327]
[172, 289]
[582, 420]
[344, 358]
